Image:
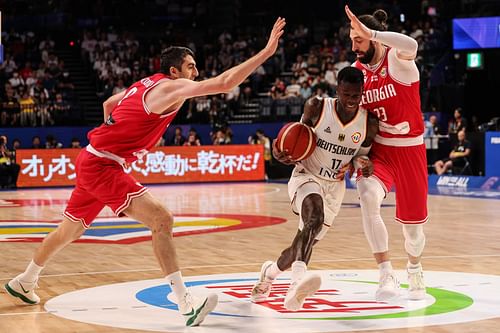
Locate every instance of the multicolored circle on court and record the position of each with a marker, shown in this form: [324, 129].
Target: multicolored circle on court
[345, 302]
[115, 230]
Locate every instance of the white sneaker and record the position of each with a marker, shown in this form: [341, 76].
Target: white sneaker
[388, 287]
[23, 290]
[416, 285]
[195, 309]
[299, 290]
[262, 288]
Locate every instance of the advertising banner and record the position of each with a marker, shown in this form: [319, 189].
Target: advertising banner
[56, 167]
[492, 153]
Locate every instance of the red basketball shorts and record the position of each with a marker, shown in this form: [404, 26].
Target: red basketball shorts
[405, 168]
[100, 182]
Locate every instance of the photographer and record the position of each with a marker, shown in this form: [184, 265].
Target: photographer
[9, 170]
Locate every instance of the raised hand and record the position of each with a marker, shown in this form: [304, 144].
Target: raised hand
[276, 33]
[362, 30]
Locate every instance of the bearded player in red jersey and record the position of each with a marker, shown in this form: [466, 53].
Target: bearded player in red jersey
[134, 121]
[391, 91]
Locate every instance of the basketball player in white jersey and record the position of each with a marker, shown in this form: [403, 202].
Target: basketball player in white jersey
[391, 91]
[316, 188]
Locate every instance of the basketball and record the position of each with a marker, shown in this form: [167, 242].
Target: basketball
[298, 138]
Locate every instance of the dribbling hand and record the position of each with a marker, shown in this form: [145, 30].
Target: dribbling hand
[282, 156]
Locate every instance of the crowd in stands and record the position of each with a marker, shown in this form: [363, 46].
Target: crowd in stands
[35, 87]
[37, 90]
[118, 59]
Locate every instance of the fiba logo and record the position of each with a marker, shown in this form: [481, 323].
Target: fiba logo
[345, 302]
[356, 137]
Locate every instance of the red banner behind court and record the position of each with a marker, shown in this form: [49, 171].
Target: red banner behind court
[56, 167]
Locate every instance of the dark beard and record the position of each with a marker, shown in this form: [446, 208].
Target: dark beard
[368, 57]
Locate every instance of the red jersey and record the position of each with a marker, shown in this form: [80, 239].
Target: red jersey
[396, 104]
[131, 130]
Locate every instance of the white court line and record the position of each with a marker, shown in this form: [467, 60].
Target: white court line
[24, 313]
[258, 264]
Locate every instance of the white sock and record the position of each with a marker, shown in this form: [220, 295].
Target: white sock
[413, 268]
[385, 267]
[31, 273]
[273, 271]
[299, 269]
[177, 284]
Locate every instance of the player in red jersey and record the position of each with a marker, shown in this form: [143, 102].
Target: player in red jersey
[398, 154]
[134, 120]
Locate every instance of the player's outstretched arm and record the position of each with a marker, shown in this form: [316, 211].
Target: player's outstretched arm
[231, 78]
[405, 45]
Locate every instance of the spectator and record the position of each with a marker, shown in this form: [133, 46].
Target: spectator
[16, 144]
[9, 170]
[10, 108]
[192, 131]
[431, 139]
[278, 89]
[458, 156]
[44, 111]
[228, 132]
[36, 143]
[293, 89]
[178, 139]
[61, 110]
[28, 112]
[331, 75]
[298, 65]
[459, 123]
[38, 89]
[75, 143]
[260, 138]
[16, 80]
[219, 137]
[341, 64]
[305, 90]
[8, 65]
[431, 127]
[51, 142]
[120, 86]
[65, 85]
[192, 141]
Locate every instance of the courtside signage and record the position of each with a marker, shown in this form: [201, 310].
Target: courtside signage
[56, 167]
[344, 303]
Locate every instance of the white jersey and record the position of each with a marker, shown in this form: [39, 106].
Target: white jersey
[336, 143]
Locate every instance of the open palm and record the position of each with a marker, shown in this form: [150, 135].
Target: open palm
[276, 33]
[357, 26]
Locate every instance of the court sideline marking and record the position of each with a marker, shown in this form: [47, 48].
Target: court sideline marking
[255, 264]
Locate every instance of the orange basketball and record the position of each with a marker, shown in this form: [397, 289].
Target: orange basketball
[298, 139]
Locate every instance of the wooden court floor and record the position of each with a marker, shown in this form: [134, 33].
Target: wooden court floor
[463, 235]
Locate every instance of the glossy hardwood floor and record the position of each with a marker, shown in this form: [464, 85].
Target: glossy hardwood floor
[462, 236]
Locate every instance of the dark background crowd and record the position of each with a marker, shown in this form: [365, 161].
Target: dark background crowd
[62, 59]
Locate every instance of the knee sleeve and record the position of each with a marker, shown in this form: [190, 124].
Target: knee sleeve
[414, 239]
[371, 195]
